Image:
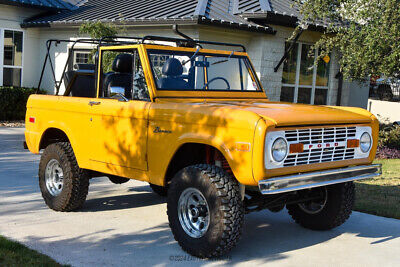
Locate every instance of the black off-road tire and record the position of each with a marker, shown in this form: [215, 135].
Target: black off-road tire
[340, 201]
[226, 210]
[118, 180]
[159, 190]
[75, 181]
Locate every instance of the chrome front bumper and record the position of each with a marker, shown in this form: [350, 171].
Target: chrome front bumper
[321, 178]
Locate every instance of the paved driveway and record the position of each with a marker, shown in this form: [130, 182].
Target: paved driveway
[127, 225]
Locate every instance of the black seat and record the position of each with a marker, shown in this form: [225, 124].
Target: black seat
[84, 66]
[172, 69]
[81, 82]
[121, 77]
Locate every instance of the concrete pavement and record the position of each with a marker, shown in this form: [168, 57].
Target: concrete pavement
[126, 225]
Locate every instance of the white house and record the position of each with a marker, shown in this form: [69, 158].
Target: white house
[263, 26]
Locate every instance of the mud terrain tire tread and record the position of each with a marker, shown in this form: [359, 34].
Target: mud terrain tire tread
[76, 180]
[337, 210]
[228, 203]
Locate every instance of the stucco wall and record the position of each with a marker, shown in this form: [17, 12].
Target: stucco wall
[384, 110]
[10, 19]
[355, 94]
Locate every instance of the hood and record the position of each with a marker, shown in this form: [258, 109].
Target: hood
[288, 114]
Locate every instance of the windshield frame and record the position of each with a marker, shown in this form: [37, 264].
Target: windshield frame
[216, 93]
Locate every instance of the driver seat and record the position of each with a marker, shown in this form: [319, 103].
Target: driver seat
[122, 75]
[172, 69]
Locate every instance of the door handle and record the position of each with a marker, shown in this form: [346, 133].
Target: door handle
[91, 103]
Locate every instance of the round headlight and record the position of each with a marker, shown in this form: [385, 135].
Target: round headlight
[365, 142]
[279, 149]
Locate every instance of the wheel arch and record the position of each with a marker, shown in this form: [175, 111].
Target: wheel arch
[52, 135]
[184, 156]
[57, 133]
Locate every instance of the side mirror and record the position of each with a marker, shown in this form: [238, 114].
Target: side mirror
[118, 93]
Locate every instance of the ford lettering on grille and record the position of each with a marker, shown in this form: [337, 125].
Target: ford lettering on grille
[320, 145]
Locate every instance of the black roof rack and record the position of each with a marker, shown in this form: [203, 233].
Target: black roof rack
[188, 41]
[113, 40]
[178, 41]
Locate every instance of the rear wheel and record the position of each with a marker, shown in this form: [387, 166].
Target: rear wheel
[332, 209]
[118, 180]
[205, 210]
[63, 184]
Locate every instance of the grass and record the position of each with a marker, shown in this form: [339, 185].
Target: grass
[381, 196]
[16, 254]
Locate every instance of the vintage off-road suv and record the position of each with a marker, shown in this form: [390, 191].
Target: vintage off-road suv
[196, 124]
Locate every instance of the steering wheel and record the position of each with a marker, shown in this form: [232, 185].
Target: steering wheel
[228, 87]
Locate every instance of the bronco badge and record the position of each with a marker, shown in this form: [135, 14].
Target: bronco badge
[159, 130]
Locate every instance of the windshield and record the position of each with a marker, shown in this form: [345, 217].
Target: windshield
[177, 70]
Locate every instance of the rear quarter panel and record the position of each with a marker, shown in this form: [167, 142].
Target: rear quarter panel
[67, 114]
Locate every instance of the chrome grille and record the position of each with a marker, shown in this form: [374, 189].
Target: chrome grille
[317, 136]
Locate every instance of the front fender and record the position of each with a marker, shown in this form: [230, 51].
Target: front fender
[163, 147]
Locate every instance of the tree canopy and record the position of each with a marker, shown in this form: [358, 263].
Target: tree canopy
[366, 33]
[97, 29]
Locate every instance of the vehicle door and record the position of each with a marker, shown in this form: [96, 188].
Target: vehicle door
[119, 116]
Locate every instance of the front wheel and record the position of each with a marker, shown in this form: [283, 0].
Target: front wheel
[205, 210]
[332, 209]
[63, 184]
[159, 190]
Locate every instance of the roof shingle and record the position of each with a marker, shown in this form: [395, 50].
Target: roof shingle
[150, 11]
[46, 4]
[281, 7]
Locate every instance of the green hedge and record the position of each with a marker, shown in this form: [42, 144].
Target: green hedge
[389, 136]
[13, 102]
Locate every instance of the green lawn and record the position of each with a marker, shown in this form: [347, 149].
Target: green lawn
[381, 196]
[16, 254]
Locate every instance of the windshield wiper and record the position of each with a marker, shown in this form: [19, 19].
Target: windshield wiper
[192, 57]
[224, 60]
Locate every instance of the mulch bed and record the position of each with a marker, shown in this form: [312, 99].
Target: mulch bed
[19, 124]
[387, 153]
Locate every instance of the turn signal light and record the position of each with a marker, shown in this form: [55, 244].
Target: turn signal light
[32, 119]
[296, 148]
[351, 143]
[242, 146]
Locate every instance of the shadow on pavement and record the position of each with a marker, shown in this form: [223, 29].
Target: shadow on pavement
[122, 202]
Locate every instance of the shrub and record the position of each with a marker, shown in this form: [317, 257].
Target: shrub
[390, 137]
[387, 153]
[13, 102]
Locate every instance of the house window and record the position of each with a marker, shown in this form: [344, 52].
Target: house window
[81, 57]
[159, 60]
[11, 63]
[301, 82]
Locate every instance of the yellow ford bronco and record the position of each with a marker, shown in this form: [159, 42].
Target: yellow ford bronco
[196, 125]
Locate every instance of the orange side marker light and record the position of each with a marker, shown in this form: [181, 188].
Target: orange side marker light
[296, 148]
[351, 143]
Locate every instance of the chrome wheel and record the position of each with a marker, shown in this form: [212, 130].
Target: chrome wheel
[313, 207]
[54, 177]
[193, 212]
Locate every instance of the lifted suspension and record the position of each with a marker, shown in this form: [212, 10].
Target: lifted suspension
[255, 201]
